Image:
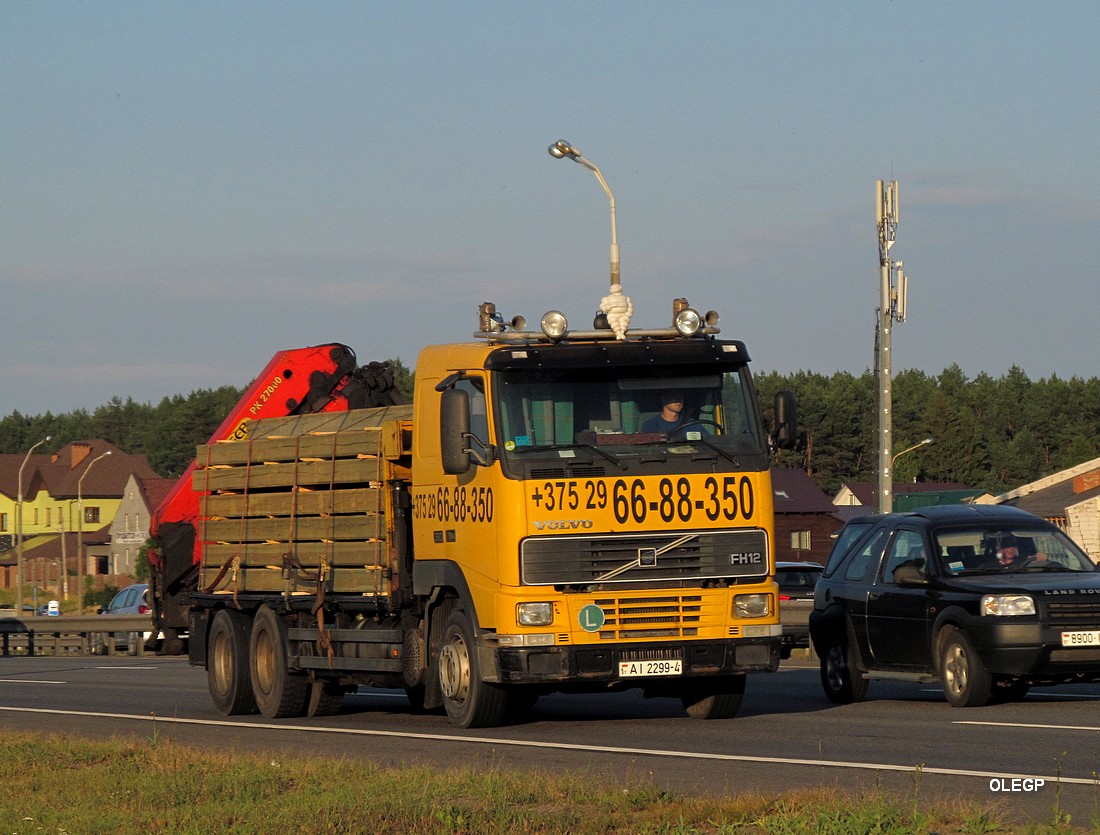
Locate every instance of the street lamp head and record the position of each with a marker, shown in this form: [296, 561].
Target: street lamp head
[562, 149]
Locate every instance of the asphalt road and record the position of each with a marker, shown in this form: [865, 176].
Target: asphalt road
[905, 738]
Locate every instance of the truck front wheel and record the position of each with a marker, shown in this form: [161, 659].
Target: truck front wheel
[469, 701]
[278, 692]
[227, 673]
[718, 698]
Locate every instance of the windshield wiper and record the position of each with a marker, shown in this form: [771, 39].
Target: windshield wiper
[552, 447]
[719, 450]
[1045, 565]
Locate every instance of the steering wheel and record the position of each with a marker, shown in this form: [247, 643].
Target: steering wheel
[700, 422]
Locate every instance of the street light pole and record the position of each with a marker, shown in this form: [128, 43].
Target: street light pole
[19, 532]
[925, 442]
[82, 565]
[562, 149]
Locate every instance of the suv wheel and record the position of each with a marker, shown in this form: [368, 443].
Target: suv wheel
[966, 682]
[840, 676]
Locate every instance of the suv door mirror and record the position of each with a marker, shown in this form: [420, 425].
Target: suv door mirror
[908, 574]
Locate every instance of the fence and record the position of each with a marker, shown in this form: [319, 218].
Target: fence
[74, 635]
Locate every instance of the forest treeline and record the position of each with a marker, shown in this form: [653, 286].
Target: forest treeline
[991, 433]
[988, 433]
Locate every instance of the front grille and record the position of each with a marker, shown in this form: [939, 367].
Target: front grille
[577, 560]
[666, 616]
[1074, 612]
[665, 654]
[580, 470]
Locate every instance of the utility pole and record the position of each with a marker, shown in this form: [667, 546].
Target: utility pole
[892, 294]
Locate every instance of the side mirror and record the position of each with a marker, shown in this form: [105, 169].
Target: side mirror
[454, 426]
[908, 574]
[785, 431]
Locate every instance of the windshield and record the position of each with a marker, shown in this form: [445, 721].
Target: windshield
[616, 412]
[1009, 549]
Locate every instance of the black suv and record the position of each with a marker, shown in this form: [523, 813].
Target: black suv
[990, 600]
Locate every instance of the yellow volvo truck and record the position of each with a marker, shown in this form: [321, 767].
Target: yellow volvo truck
[559, 509]
[530, 524]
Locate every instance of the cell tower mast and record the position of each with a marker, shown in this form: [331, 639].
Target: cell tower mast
[893, 289]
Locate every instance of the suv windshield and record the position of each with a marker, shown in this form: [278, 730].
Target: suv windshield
[978, 550]
[612, 412]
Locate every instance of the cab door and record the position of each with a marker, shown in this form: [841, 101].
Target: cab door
[898, 621]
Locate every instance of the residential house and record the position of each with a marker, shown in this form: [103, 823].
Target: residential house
[805, 519]
[907, 495]
[70, 498]
[130, 529]
[1070, 499]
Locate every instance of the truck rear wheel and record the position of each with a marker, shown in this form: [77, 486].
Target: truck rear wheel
[227, 668]
[278, 692]
[469, 701]
[714, 698]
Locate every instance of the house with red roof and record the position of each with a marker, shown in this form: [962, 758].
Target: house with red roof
[69, 500]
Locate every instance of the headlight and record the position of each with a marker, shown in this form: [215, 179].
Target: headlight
[1008, 604]
[534, 614]
[554, 325]
[688, 322]
[752, 605]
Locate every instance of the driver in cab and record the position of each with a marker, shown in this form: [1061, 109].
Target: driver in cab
[672, 417]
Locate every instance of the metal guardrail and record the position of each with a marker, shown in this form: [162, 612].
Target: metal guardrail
[67, 634]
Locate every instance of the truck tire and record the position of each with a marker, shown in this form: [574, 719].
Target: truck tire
[840, 676]
[718, 698]
[469, 701]
[966, 682]
[227, 667]
[279, 692]
[326, 698]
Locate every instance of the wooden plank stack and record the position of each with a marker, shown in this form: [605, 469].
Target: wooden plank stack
[301, 502]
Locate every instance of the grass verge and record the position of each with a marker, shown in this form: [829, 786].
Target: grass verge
[63, 785]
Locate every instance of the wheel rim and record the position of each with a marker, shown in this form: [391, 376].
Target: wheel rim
[955, 668]
[265, 661]
[835, 667]
[223, 666]
[454, 670]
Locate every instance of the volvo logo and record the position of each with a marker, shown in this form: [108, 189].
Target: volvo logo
[563, 524]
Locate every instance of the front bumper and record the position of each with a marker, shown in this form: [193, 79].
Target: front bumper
[1032, 650]
[581, 664]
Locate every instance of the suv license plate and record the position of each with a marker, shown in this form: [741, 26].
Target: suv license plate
[1081, 639]
[635, 669]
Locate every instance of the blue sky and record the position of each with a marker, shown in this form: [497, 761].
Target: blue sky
[191, 187]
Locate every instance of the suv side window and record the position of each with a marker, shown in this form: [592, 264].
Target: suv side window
[856, 566]
[847, 537]
[907, 558]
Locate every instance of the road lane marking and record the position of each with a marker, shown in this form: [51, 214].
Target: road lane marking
[562, 746]
[1028, 725]
[30, 681]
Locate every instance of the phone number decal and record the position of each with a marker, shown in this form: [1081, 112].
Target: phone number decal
[455, 504]
[729, 498]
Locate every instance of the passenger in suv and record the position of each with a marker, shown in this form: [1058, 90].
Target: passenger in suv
[938, 594]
